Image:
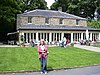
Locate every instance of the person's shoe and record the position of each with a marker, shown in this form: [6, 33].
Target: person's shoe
[41, 72]
[45, 72]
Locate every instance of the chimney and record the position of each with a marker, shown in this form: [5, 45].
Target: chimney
[60, 9]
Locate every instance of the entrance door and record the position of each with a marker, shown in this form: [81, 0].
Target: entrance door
[67, 36]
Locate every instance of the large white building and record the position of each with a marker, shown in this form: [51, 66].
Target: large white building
[53, 26]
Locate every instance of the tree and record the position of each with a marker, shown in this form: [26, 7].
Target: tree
[34, 4]
[83, 8]
[93, 24]
[10, 8]
[8, 11]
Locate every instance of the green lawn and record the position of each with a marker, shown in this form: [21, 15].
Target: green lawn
[27, 58]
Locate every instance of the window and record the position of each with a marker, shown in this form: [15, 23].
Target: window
[77, 21]
[29, 19]
[61, 21]
[47, 20]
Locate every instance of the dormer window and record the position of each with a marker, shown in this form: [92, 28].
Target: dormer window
[47, 20]
[60, 21]
[77, 21]
[29, 19]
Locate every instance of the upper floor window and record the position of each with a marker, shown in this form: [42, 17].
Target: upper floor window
[47, 20]
[61, 21]
[30, 19]
[77, 21]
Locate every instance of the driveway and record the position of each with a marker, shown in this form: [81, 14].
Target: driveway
[91, 48]
[93, 70]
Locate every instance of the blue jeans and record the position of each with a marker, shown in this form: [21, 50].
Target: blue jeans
[43, 63]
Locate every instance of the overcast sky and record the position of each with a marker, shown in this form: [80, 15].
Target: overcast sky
[49, 2]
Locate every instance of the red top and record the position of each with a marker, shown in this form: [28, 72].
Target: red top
[41, 51]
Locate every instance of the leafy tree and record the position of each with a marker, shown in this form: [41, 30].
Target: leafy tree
[10, 8]
[34, 4]
[93, 24]
[83, 8]
[8, 11]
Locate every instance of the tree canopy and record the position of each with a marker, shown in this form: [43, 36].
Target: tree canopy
[33, 4]
[84, 8]
[8, 11]
[10, 8]
[93, 24]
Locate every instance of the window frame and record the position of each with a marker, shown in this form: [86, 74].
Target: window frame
[77, 21]
[61, 21]
[29, 19]
[47, 20]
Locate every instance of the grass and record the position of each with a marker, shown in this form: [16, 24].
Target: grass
[13, 59]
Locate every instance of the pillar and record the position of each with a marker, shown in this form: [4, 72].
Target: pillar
[99, 36]
[62, 35]
[46, 37]
[33, 35]
[71, 37]
[50, 37]
[36, 36]
[56, 36]
[91, 36]
[21, 37]
[81, 36]
[53, 36]
[26, 37]
[59, 36]
[29, 37]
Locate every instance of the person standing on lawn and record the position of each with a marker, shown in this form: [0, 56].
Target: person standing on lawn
[42, 49]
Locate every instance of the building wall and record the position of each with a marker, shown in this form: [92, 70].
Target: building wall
[22, 20]
[38, 20]
[18, 21]
[52, 21]
[83, 23]
[69, 22]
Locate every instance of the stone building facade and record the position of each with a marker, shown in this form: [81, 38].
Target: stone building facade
[53, 26]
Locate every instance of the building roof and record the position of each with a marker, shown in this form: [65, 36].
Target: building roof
[54, 27]
[50, 13]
